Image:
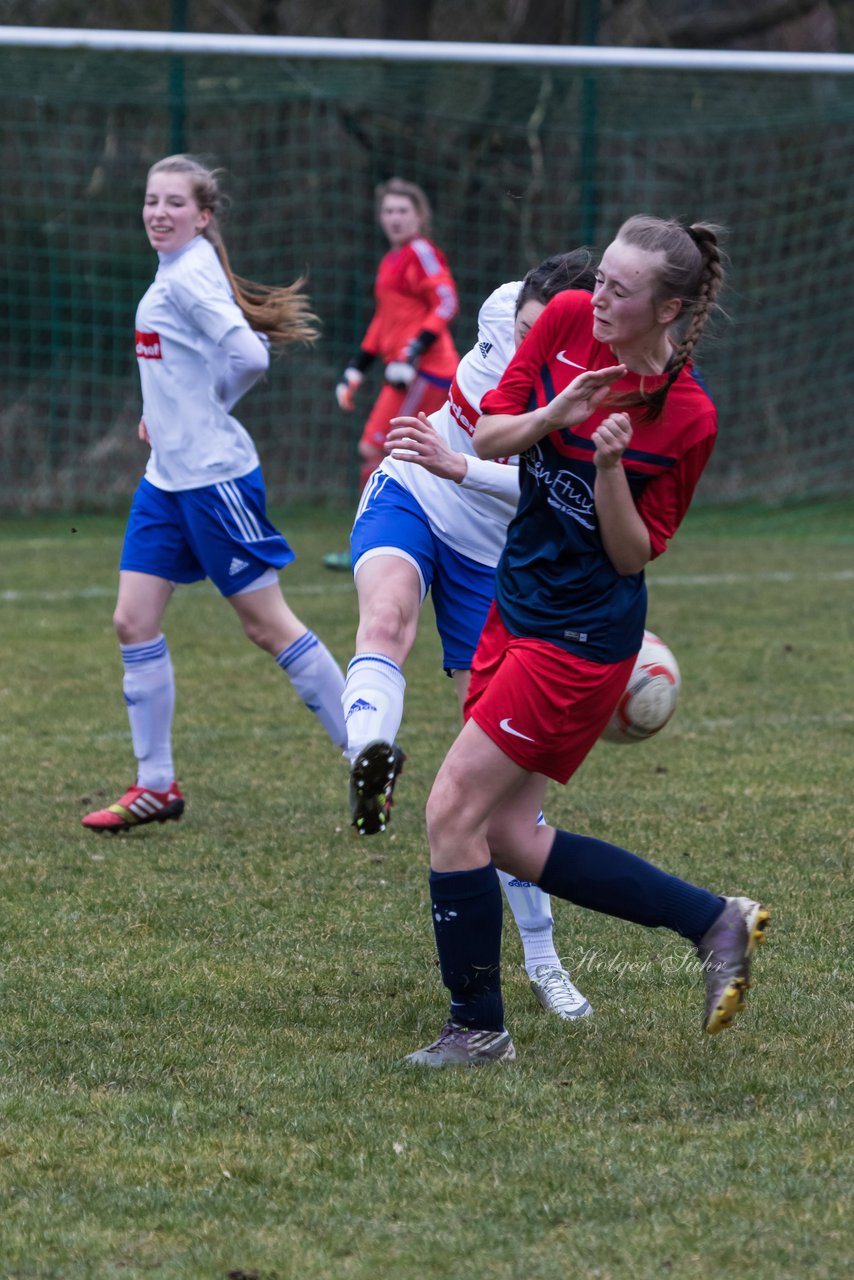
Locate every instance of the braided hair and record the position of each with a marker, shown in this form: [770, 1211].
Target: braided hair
[693, 272]
[282, 312]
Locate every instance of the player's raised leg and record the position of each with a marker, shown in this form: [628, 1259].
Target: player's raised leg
[389, 591]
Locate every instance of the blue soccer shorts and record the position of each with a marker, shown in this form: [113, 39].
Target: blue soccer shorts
[219, 531]
[390, 520]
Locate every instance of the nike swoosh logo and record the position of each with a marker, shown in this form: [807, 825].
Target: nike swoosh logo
[505, 725]
[561, 356]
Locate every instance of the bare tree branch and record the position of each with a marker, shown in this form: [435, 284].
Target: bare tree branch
[704, 24]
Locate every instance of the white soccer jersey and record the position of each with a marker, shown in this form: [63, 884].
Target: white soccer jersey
[471, 517]
[180, 321]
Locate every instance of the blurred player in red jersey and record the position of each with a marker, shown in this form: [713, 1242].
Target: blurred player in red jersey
[416, 300]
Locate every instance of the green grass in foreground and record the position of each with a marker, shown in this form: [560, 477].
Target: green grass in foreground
[202, 1023]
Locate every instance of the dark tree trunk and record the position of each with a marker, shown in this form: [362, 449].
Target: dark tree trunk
[267, 22]
[406, 20]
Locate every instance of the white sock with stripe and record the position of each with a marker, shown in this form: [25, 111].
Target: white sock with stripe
[532, 911]
[149, 689]
[372, 701]
[318, 680]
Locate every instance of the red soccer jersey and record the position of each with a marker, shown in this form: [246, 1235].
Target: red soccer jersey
[555, 581]
[665, 458]
[414, 292]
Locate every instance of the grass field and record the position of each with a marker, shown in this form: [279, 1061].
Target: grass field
[202, 1023]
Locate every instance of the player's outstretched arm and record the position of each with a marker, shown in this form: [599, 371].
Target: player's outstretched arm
[500, 435]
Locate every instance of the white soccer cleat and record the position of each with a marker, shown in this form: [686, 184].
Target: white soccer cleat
[557, 993]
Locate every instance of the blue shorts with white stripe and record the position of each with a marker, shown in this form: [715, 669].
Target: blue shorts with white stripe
[220, 531]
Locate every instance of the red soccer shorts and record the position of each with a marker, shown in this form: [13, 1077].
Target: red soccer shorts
[545, 708]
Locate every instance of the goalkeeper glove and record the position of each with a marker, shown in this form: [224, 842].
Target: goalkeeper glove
[345, 392]
[352, 378]
[400, 373]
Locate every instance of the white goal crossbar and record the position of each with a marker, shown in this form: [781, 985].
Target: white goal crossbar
[425, 50]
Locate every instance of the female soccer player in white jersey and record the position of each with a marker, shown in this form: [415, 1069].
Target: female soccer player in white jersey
[434, 517]
[202, 338]
[613, 430]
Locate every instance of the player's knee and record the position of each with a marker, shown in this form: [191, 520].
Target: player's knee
[130, 626]
[437, 812]
[504, 840]
[262, 634]
[387, 633]
[446, 814]
[515, 840]
[386, 625]
[121, 626]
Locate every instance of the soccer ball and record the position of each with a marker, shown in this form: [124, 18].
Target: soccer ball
[649, 698]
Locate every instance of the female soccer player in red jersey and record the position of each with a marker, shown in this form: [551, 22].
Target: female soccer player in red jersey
[613, 431]
[202, 338]
[416, 300]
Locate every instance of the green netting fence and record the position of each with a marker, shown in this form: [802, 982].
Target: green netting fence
[520, 161]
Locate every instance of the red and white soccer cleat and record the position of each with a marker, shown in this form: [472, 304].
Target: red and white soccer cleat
[136, 807]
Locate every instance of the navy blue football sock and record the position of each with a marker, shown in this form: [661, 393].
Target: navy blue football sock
[467, 923]
[605, 878]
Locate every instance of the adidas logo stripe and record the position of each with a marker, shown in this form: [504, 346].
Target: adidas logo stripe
[359, 705]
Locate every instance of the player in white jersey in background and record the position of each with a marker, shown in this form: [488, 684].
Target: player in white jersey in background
[434, 517]
[202, 338]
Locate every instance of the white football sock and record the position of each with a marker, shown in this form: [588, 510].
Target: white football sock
[149, 689]
[318, 680]
[532, 911]
[372, 700]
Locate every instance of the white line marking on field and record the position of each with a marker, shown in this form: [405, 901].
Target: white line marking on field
[82, 593]
[730, 579]
[102, 593]
[201, 734]
[339, 588]
[835, 720]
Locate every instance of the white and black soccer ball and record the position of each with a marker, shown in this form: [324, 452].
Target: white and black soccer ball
[649, 698]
